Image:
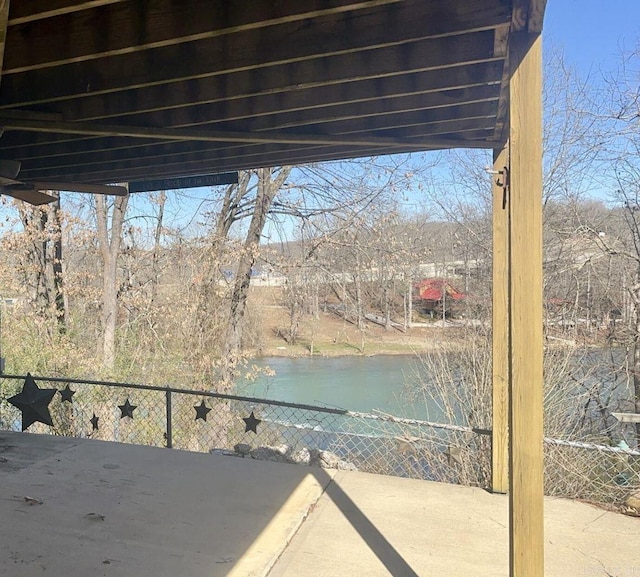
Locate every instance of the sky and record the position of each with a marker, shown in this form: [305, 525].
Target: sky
[592, 33]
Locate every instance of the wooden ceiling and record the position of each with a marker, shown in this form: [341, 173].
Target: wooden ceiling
[102, 91]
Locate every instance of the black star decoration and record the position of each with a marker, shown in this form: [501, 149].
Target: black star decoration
[67, 394]
[251, 423]
[33, 402]
[94, 422]
[201, 411]
[127, 409]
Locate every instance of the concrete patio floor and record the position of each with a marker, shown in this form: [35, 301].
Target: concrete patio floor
[99, 508]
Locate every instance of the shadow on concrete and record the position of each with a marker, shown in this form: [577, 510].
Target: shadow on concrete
[159, 512]
[143, 511]
[376, 541]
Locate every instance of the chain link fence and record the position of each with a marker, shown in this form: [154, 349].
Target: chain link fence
[592, 472]
[310, 435]
[259, 428]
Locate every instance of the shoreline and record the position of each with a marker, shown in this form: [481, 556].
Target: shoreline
[419, 342]
[327, 336]
[408, 346]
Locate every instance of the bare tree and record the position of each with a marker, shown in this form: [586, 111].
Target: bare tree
[109, 225]
[216, 263]
[42, 265]
[157, 237]
[270, 181]
[620, 130]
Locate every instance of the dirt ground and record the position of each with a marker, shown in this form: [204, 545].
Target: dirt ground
[330, 335]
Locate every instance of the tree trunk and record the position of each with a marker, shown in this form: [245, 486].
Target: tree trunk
[156, 246]
[43, 295]
[268, 188]
[636, 378]
[109, 242]
[387, 304]
[207, 329]
[58, 276]
[109, 311]
[34, 221]
[635, 298]
[44, 273]
[358, 282]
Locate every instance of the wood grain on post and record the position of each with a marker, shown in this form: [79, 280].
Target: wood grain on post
[500, 326]
[525, 303]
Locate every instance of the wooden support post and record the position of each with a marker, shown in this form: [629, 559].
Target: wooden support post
[4, 18]
[500, 325]
[525, 305]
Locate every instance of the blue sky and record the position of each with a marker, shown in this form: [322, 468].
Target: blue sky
[593, 33]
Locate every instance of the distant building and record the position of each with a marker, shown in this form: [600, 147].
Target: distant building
[433, 295]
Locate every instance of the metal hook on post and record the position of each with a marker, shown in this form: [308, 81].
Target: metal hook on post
[504, 185]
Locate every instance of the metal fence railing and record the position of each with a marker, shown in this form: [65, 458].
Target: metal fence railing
[290, 432]
[209, 421]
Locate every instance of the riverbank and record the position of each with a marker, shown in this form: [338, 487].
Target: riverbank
[329, 335]
[332, 336]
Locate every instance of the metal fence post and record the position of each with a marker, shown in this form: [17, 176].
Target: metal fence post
[169, 433]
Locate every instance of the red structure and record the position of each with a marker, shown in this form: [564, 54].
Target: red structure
[434, 289]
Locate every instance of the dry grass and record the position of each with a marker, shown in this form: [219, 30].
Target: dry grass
[329, 335]
[458, 382]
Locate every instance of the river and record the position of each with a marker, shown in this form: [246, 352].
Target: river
[378, 383]
[353, 383]
[367, 384]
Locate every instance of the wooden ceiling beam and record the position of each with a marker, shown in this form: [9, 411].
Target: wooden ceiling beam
[125, 28]
[372, 111]
[195, 61]
[331, 115]
[213, 87]
[311, 111]
[160, 153]
[143, 132]
[26, 11]
[376, 125]
[253, 94]
[80, 147]
[502, 116]
[202, 162]
[270, 158]
[4, 18]
[300, 110]
[47, 145]
[528, 15]
[167, 162]
[469, 77]
[408, 130]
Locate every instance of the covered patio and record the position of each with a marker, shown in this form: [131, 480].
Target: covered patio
[77, 507]
[104, 91]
